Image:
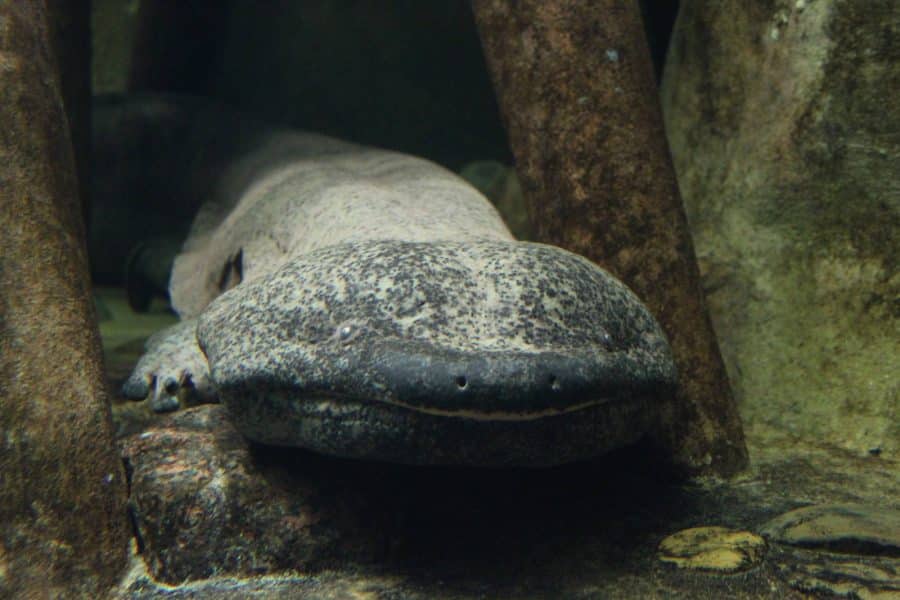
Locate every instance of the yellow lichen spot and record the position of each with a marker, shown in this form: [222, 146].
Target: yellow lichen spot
[713, 549]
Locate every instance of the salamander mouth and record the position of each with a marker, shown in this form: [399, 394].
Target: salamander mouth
[392, 432]
[402, 404]
[478, 415]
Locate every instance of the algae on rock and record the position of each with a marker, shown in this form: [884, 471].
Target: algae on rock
[787, 147]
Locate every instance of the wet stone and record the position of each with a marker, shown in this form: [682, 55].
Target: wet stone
[205, 504]
[713, 549]
[844, 550]
[843, 578]
[850, 528]
[716, 549]
[269, 587]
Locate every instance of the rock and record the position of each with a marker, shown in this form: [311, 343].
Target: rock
[787, 148]
[844, 579]
[713, 549]
[849, 550]
[204, 504]
[274, 587]
[851, 528]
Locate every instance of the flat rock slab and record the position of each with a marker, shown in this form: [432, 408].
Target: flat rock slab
[203, 505]
[834, 550]
[842, 577]
[272, 587]
[845, 550]
[587, 530]
[716, 549]
[850, 528]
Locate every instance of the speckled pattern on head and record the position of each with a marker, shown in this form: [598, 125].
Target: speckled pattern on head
[362, 337]
[369, 304]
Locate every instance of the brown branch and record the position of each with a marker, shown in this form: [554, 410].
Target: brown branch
[576, 87]
[63, 526]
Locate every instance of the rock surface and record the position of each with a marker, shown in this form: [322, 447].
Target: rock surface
[849, 550]
[586, 530]
[786, 140]
[843, 578]
[713, 549]
[205, 504]
[852, 528]
[582, 531]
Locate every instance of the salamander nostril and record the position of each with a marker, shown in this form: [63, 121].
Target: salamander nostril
[462, 382]
[607, 340]
[554, 382]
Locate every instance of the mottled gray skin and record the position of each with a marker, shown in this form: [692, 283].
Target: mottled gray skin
[484, 352]
[370, 304]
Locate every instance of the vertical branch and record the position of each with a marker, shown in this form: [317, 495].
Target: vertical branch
[63, 526]
[576, 87]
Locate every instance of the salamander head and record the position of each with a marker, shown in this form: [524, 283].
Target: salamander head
[486, 353]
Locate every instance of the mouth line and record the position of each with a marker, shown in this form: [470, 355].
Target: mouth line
[338, 403]
[395, 430]
[476, 415]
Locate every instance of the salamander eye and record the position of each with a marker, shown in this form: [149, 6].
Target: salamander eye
[232, 272]
[348, 331]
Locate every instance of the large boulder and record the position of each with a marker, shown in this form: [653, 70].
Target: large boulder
[205, 503]
[787, 146]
